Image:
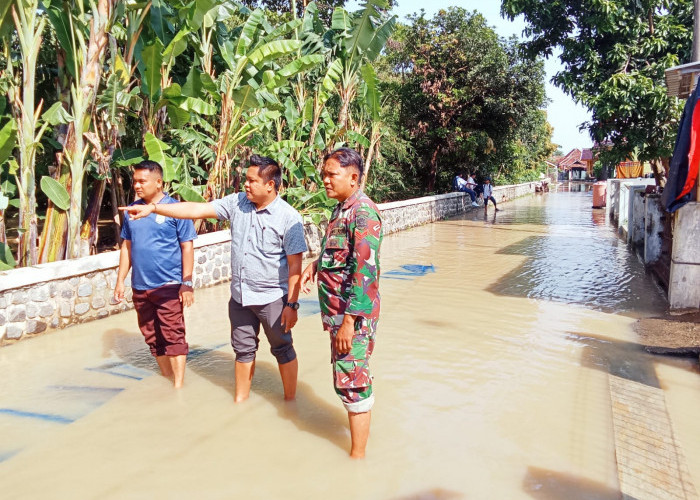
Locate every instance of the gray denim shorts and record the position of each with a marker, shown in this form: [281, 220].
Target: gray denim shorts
[245, 328]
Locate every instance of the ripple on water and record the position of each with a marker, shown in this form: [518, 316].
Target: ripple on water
[578, 260]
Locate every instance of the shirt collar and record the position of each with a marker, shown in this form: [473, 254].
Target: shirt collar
[274, 204]
[352, 199]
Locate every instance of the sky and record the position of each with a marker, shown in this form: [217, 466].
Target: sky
[563, 114]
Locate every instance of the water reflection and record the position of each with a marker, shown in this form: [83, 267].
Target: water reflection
[578, 258]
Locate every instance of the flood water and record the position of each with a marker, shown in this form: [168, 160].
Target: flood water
[496, 340]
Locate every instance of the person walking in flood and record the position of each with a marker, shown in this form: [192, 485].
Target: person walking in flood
[267, 243]
[347, 272]
[160, 252]
[488, 195]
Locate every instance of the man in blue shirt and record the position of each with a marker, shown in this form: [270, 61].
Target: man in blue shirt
[267, 244]
[160, 250]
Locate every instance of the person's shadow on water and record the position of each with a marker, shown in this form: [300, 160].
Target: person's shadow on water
[309, 413]
[129, 348]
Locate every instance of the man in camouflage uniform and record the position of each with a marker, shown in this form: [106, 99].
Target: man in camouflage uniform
[348, 288]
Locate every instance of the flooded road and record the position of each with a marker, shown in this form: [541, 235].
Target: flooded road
[504, 355]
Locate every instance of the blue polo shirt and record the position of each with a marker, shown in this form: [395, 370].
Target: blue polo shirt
[156, 256]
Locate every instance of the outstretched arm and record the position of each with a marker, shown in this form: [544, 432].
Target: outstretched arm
[184, 210]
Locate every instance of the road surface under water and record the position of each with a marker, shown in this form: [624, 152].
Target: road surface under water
[497, 339]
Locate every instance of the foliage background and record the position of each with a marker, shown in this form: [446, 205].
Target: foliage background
[88, 88]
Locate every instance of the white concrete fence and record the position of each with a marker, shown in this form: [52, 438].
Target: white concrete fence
[47, 297]
[639, 219]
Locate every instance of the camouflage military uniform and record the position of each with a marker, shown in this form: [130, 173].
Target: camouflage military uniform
[348, 283]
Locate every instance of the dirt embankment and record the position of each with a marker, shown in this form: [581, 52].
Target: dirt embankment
[670, 334]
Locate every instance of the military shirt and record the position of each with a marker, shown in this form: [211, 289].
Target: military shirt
[348, 267]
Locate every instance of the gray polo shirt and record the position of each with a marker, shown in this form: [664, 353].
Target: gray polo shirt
[260, 243]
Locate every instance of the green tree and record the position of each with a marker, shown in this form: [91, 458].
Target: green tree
[463, 90]
[614, 55]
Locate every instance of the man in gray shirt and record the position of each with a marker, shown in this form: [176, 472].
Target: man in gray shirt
[267, 243]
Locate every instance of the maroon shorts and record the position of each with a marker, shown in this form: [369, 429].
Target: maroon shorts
[159, 312]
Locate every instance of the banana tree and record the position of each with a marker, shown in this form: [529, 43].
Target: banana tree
[250, 84]
[83, 34]
[8, 141]
[361, 36]
[28, 26]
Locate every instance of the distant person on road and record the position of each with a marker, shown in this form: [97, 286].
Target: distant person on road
[459, 184]
[488, 194]
[347, 272]
[267, 243]
[472, 184]
[160, 251]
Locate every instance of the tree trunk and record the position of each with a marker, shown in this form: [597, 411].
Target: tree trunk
[116, 213]
[433, 169]
[372, 151]
[89, 233]
[658, 176]
[3, 234]
[29, 26]
[90, 76]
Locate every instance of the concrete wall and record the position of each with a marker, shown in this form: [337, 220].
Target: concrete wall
[618, 203]
[653, 228]
[50, 296]
[684, 283]
[636, 223]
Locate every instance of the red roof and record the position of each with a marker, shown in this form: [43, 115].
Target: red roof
[571, 157]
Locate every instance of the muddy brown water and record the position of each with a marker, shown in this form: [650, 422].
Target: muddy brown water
[495, 343]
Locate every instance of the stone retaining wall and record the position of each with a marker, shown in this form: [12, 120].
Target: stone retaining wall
[47, 297]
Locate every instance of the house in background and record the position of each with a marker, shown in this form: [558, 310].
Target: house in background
[577, 165]
[573, 166]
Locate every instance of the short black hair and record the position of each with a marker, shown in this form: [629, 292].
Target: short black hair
[151, 166]
[347, 157]
[268, 169]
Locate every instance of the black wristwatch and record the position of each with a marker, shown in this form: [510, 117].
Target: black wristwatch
[293, 305]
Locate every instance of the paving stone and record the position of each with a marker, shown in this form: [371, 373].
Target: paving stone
[3, 302]
[54, 322]
[651, 464]
[98, 302]
[3, 319]
[67, 293]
